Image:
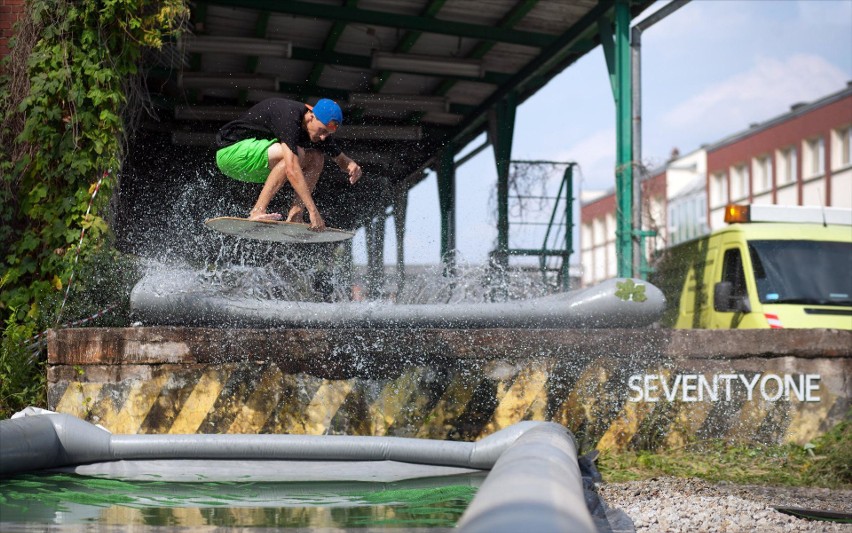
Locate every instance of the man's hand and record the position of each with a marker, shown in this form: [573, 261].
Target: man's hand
[317, 223]
[354, 171]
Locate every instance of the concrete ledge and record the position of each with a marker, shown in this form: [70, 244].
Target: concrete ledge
[157, 345]
[614, 389]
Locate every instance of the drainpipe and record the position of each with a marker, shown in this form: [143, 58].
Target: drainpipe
[636, 62]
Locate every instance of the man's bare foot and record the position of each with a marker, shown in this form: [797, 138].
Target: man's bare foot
[296, 214]
[317, 222]
[265, 216]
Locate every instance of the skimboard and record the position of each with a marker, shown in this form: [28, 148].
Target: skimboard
[271, 230]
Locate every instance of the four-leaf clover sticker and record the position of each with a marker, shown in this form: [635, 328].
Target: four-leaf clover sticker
[628, 290]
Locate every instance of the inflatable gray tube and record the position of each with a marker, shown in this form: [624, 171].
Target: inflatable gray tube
[183, 300]
[46, 441]
[535, 483]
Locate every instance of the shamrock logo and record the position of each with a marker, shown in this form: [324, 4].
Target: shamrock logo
[628, 290]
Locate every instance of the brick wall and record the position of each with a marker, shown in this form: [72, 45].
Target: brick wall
[10, 11]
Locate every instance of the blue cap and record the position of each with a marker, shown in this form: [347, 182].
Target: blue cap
[327, 111]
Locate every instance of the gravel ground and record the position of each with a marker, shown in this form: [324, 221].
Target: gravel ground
[693, 505]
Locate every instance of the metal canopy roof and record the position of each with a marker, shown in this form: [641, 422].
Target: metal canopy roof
[411, 75]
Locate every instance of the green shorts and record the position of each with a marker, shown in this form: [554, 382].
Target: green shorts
[246, 160]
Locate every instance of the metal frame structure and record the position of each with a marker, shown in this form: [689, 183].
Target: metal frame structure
[334, 51]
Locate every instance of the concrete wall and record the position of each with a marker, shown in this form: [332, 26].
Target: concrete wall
[452, 384]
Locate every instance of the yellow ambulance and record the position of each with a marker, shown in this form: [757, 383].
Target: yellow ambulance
[771, 267]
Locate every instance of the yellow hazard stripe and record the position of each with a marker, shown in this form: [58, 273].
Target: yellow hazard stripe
[258, 408]
[139, 401]
[199, 404]
[622, 429]
[79, 398]
[517, 399]
[450, 406]
[392, 401]
[324, 405]
[686, 423]
[807, 418]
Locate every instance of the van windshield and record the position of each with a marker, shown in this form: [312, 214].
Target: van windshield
[802, 272]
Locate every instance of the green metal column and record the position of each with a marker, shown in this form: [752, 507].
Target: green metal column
[624, 140]
[568, 179]
[447, 202]
[376, 257]
[400, 205]
[503, 131]
[616, 47]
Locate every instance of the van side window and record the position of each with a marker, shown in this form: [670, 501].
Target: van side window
[732, 270]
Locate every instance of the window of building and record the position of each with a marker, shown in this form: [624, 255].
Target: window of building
[762, 173]
[598, 232]
[846, 148]
[841, 149]
[814, 162]
[586, 241]
[787, 166]
[739, 183]
[719, 189]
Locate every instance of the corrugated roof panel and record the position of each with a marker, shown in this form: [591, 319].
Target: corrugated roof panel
[470, 93]
[301, 31]
[435, 44]
[555, 17]
[286, 70]
[482, 12]
[223, 63]
[229, 21]
[509, 58]
[361, 40]
[346, 78]
[409, 84]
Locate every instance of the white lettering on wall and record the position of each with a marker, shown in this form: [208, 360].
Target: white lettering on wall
[724, 387]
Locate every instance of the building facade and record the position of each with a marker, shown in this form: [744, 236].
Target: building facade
[800, 158]
[803, 157]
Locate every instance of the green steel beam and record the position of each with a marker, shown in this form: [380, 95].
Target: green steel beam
[392, 20]
[330, 44]
[608, 45]
[505, 127]
[567, 185]
[568, 179]
[624, 141]
[447, 204]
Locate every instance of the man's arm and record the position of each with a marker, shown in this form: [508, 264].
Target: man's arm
[350, 167]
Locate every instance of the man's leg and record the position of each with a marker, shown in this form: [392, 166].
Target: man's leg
[276, 179]
[311, 162]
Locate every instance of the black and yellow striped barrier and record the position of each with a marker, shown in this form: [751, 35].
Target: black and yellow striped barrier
[613, 388]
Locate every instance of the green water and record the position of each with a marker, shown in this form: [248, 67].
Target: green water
[73, 499]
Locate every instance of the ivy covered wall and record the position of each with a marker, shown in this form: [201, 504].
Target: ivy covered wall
[69, 84]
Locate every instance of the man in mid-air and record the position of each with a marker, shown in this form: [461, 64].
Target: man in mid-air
[279, 141]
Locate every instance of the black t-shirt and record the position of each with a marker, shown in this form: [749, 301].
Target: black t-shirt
[274, 118]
